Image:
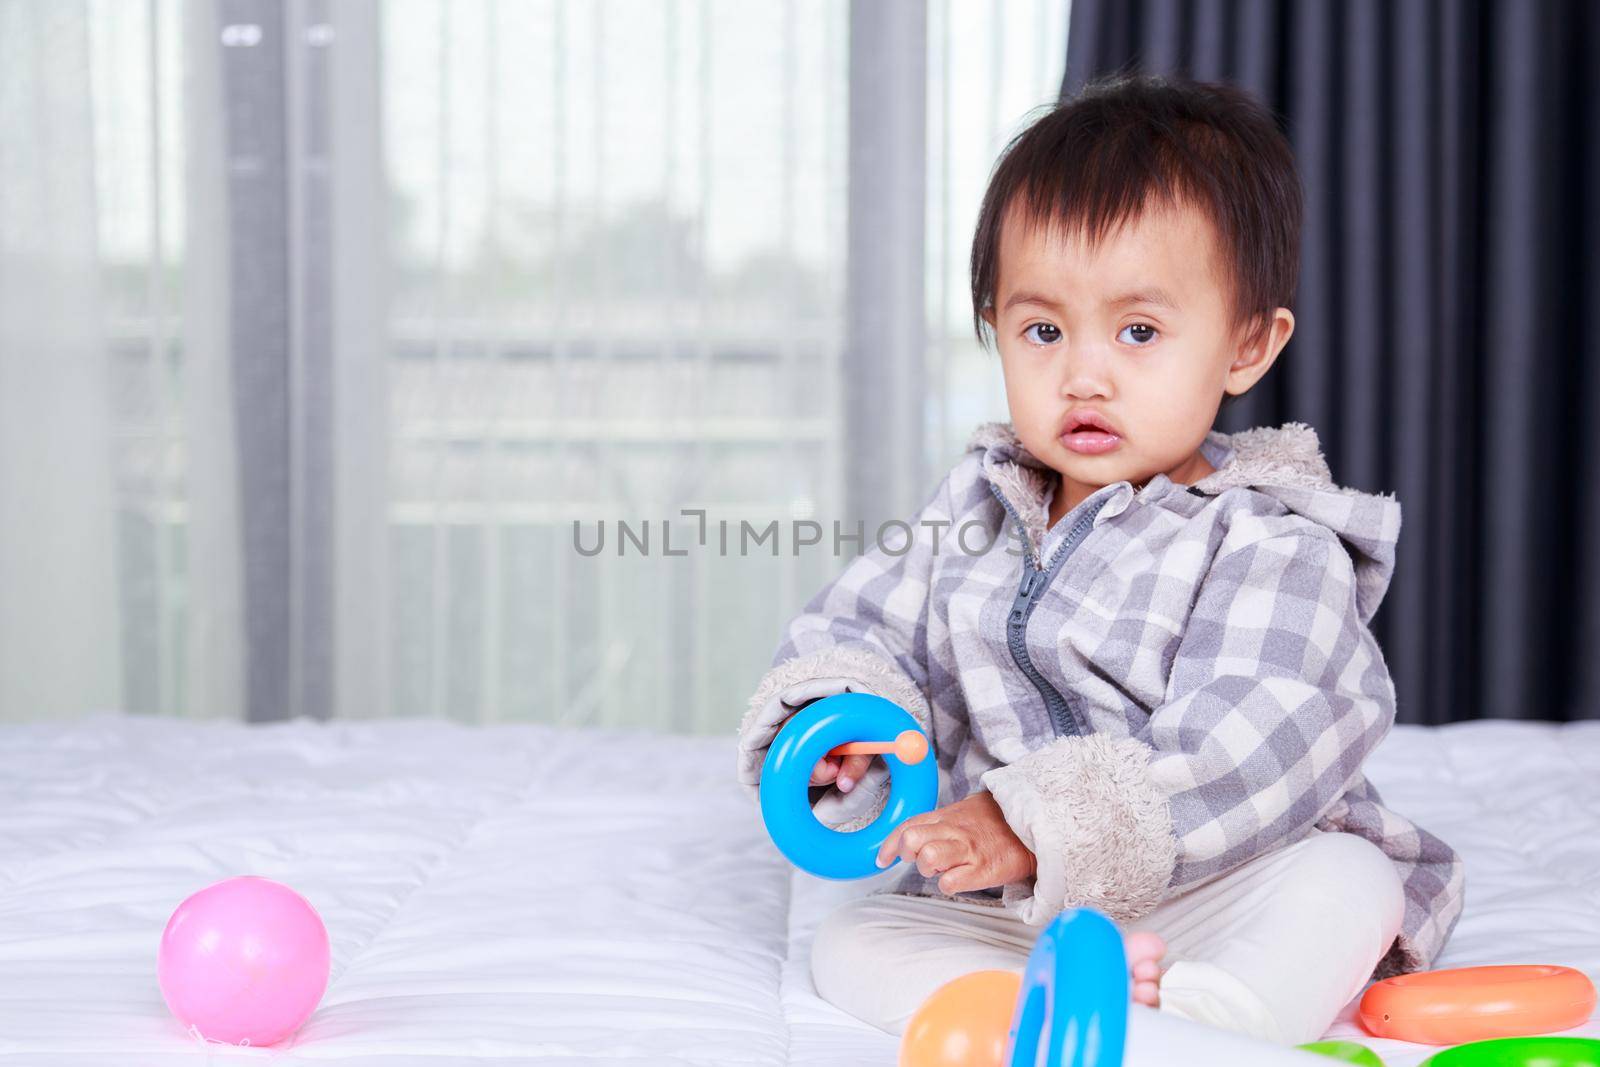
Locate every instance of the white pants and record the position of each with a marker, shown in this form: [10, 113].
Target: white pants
[1273, 948]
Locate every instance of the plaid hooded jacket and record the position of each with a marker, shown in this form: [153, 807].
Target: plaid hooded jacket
[1168, 682]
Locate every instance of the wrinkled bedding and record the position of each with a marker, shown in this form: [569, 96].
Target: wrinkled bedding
[521, 894]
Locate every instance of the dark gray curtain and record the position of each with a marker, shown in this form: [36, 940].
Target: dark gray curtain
[1446, 343]
[280, 322]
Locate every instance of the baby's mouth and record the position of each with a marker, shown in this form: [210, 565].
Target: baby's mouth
[1090, 442]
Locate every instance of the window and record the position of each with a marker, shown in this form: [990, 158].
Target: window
[543, 262]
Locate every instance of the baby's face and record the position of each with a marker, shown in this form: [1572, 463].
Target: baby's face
[1137, 329]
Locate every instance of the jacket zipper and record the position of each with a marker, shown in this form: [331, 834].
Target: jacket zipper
[1035, 579]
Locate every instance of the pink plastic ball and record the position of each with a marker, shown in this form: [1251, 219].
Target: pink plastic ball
[244, 961]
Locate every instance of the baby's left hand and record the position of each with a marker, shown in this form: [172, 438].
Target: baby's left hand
[968, 844]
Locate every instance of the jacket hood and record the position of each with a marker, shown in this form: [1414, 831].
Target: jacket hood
[1284, 462]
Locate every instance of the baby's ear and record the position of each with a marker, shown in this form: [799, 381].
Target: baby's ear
[1258, 350]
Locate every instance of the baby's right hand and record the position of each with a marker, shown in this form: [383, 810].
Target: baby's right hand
[763, 727]
[845, 770]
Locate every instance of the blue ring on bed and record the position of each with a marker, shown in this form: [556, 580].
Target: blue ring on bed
[1075, 987]
[812, 733]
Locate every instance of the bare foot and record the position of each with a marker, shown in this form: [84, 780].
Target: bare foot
[1145, 950]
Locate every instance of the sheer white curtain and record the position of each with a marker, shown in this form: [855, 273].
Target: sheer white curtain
[362, 304]
[118, 537]
[615, 241]
[118, 540]
[59, 637]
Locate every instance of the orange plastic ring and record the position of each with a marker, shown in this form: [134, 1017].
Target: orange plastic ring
[1452, 1007]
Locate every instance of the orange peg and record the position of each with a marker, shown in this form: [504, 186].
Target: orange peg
[909, 746]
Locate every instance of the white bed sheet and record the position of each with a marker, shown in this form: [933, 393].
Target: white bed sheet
[520, 894]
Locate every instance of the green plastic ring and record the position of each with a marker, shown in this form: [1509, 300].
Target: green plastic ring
[1345, 1052]
[1521, 1052]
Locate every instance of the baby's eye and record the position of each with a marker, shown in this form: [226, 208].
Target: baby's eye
[1137, 334]
[1043, 333]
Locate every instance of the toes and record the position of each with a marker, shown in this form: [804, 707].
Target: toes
[1145, 950]
[1144, 945]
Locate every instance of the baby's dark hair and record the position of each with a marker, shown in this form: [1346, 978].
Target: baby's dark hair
[1091, 163]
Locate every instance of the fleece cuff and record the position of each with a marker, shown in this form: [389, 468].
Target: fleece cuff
[827, 672]
[1098, 827]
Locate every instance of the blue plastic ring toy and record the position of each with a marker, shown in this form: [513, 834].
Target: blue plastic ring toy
[1075, 988]
[812, 733]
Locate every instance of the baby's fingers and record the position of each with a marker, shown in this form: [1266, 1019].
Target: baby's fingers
[906, 840]
[826, 770]
[936, 857]
[851, 770]
[960, 879]
[890, 846]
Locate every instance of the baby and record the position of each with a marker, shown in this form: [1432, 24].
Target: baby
[1139, 646]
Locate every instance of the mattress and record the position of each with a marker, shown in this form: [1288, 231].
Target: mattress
[521, 894]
